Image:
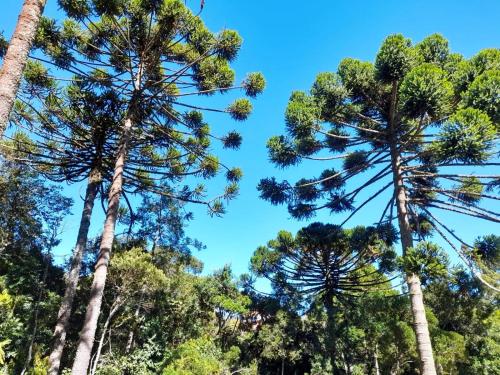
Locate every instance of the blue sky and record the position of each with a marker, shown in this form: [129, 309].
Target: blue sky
[290, 42]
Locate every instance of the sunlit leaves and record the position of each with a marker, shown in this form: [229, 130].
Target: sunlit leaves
[254, 84]
[484, 94]
[240, 109]
[329, 93]
[301, 114]
[281, 151]
[426, 260]
[434, 49]
[467, 137]
[425, 90]
[394, 59]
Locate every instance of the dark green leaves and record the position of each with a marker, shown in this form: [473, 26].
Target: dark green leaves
[3, 46]
[281, 151]
[273, 191]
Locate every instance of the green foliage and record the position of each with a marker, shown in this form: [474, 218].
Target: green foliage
[394, 59]
[466, 137]
[434, 49]
[426, 260]
[240, 109]
[254, 84]
[3, 46]
[425, 90]
[484, 93]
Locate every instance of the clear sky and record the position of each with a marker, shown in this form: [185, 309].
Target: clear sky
[290, 42]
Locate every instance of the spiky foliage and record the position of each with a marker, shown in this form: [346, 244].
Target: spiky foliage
[419, 113]
[327, 261]
[139, 59]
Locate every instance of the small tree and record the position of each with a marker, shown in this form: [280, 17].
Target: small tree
[418, 119]
[326, 261]
[16, 56]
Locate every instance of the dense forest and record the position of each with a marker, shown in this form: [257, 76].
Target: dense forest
[116, 96]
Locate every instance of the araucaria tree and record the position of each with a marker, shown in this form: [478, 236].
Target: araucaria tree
[326, 262]
[156, 57]
[16, 56]
[418, 119]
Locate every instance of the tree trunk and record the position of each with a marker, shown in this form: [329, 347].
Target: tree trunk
[330, 327]
[114, 308]
[424, 345]
[375, 360]
[130, 340]
[87, 335]
[74, 273]
[17, 55]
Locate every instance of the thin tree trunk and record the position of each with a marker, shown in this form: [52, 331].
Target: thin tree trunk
[87, 335]
[17, 55]
[282, 366]
[330, 327]
[64, 314]
[114, 308]
[375, 360]
[130, 340]
[424, 345]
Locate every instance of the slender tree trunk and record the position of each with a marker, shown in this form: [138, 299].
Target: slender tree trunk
[424, 345]
[114, 308]
[130, 340]
[17, 55]
[375, 360]
[74, 273]
[87, 335]
[282, 366]
[330, 327]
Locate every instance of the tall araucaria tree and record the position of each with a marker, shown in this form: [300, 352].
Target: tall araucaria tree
[328, 263]
[157, 57]
[414, 124]
[73, 138]
[16, 56]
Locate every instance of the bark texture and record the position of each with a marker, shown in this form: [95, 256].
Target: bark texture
[17, 55]
[424, 345]
[73, 275]
[87, 334]
[420, 326]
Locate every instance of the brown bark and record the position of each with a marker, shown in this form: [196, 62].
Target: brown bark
[74, 273]
[17, 55]
[420, 326]
[87, 334]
